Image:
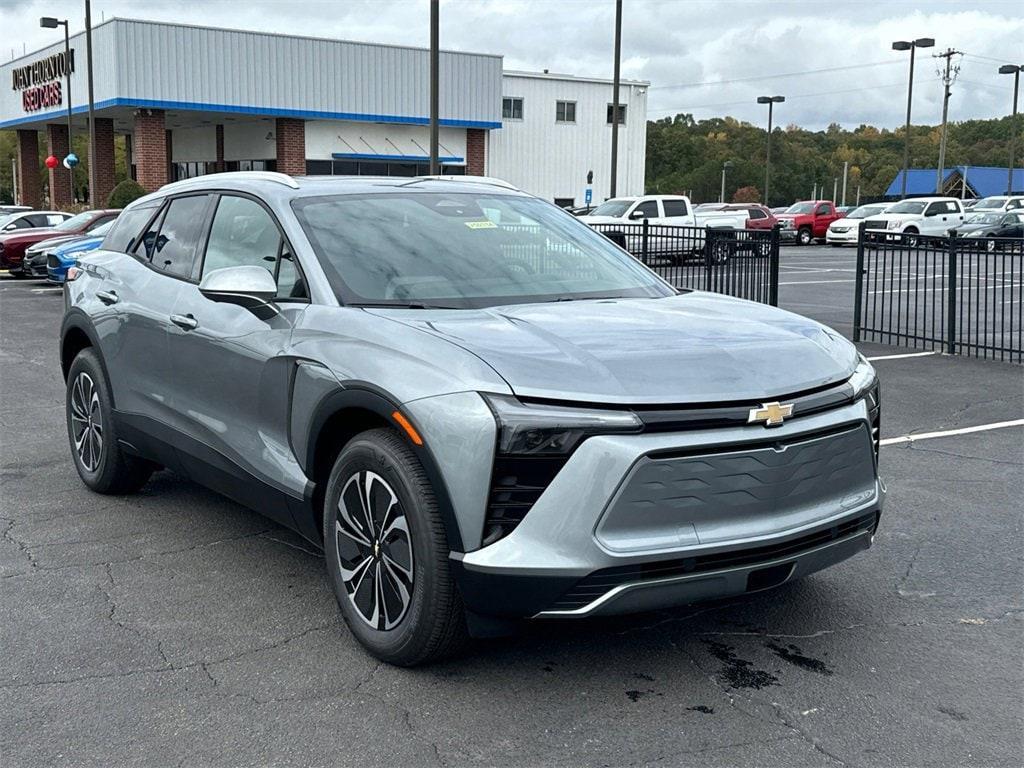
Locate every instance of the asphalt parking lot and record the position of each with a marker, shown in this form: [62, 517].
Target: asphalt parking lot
[176, 628]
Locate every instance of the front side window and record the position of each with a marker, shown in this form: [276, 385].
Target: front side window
[565, 111]
[622, 114]
[173, 248]
[645, 210]
[512, 108]
[824, 210]
[462, 250]
[243, 233]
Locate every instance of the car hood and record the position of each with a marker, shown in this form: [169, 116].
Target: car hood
[790, 216]
[695, 347]
[78, 246]
[896, 217]
[52, 242]
[606, 220]
[31, 235]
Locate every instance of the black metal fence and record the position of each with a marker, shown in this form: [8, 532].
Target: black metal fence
[741, 263]
[960, 295]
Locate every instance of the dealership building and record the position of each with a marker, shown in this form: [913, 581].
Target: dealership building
[194, 100]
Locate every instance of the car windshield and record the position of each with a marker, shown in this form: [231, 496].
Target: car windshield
[800, 208]
[429, 249]
[102, 229]
[864, 211]
[612, 208]
[75, 222]
[5, 217]
[984, 218]
[989, 203]
[908, 206]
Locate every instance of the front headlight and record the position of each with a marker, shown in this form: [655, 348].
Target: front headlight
[894, 225]
[866, 386]
[538, 430]
[864, 379]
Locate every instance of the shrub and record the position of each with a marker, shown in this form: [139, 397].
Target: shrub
[124, 193]
[747, 195]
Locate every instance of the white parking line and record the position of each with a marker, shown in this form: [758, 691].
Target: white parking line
[897, 357]
[951, 432]
[814, 282]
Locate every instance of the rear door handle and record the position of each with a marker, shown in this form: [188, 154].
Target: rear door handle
[107, 297]
[186, 322]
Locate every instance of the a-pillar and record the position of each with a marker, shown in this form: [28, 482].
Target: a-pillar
[101, 167]
[149, 149]
[29, 189]
[61, 194]
[291, 146]
[476, 143]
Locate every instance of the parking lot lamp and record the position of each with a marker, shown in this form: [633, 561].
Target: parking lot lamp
[1015, 70]
[770, 101]
[909, 45]
[48, 22]
[727, 164]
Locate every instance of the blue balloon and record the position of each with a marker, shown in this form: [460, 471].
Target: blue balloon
[71, 160]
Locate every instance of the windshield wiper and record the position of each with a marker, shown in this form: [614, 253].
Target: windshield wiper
[404, 305]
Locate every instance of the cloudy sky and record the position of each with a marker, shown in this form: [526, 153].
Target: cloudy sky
[832, 59]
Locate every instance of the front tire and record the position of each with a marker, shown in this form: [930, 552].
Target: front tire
[101, 462]
[804, 237]
[387, 553]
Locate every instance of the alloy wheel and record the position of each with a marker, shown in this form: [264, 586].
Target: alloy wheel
[374, 550]
[87, 422]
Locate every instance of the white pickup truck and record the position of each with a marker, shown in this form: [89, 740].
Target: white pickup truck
[908, 219]
[663, 211]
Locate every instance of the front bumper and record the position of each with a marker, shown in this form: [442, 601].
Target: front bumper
[594, 544]
[842, 238]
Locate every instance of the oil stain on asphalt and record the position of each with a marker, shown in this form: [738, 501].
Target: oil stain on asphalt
[737, 672]
[796, 657]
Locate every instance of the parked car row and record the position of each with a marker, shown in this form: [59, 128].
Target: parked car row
[45, 243]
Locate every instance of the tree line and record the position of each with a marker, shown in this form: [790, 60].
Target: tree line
[685, 155]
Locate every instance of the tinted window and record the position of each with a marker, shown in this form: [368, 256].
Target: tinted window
[756, 213]
[245, 234]
[24, 223]
[674, 207]
[824, 210]
[649, 209]
[174, 249]
[127, 228]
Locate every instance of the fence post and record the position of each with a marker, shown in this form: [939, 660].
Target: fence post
[643, 242]
[709, 257]
[858, 288]
[951, 295]
[773, 266]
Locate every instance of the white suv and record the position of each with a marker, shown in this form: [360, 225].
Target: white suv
[998, 204]
[920, 216]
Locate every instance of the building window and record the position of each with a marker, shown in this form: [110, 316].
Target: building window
[250, 165]
[181, 171]
[375, 168]
[622, 114]
[565, 111]
[512, 108]
[565, 202]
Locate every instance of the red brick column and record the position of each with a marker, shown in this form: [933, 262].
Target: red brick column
[219, 164]
[101, 167]
[149, 149]
[476, 142]
[61, 196]
[291, 146]
[29, 188]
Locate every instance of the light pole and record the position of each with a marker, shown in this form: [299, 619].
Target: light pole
[614, 177]
[1012, 69]
[911, 45]
[48, 22]
[727, 164]
[771, 101]
[435, 164]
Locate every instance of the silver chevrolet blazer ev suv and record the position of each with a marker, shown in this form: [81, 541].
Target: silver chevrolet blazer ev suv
[480, 408]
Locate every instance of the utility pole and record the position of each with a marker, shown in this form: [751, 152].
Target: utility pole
[613, 180]
[835, 189]
[846, 168]
[93, 174]
[948, 78]
[435, 164]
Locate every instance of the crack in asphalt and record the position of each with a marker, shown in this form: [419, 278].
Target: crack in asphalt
[914, 446]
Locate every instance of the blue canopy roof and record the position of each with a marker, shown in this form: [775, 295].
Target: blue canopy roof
[982, 180]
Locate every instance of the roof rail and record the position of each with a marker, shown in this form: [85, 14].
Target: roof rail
[476, 180]
[279, 178]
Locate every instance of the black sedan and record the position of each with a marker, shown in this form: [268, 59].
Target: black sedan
[995, 225]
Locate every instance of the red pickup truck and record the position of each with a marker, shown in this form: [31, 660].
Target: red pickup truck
[807, 221]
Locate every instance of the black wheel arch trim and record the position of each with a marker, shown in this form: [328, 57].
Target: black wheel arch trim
[76, 319]
[366, 396]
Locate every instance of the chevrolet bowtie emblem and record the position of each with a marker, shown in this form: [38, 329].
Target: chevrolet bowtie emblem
[770, 414]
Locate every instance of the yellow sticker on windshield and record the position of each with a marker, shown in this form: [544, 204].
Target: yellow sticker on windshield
[486, 224]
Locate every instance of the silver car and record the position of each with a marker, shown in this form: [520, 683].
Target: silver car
[480, 408]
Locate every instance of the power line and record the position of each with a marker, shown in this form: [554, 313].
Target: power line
[759, 78]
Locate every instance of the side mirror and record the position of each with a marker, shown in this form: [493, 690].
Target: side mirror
[250, 287]
[637, 214]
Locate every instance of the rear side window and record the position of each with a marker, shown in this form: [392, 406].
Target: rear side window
[173, 249]
[674, 207]
[128, 228]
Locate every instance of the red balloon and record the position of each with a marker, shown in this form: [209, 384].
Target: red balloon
[52, 162]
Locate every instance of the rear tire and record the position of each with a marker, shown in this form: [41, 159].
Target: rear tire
[389, 569]
[92, 434]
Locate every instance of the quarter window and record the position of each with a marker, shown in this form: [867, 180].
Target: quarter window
[245, 234]
[565, 111]
[128, 228]
[512, 108]
[173, 250]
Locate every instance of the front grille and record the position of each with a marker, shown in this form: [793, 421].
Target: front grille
[516, 484]
[870, 224]
[598, 583]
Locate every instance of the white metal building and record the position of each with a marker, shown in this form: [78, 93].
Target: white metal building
[194, 100]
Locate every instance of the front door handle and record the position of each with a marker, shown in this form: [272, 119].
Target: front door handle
[107, 297]
[185, 322]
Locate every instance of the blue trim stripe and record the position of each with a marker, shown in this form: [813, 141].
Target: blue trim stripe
[304, 114]
[394, 158]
